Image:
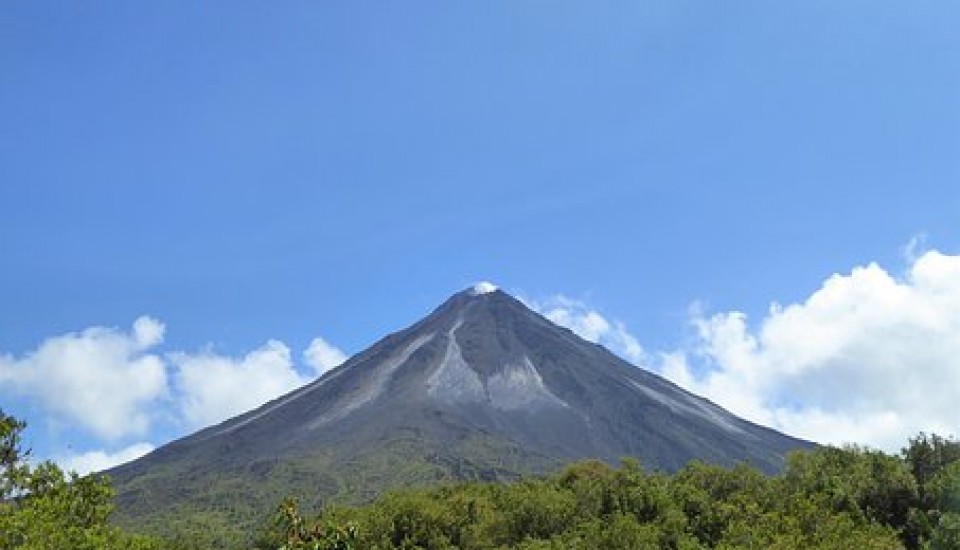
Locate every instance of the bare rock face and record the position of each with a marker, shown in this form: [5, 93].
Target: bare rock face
[483, 387]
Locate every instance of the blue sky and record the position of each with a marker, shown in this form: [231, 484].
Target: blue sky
[252, 172]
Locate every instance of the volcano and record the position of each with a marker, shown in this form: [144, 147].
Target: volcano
[483, 388]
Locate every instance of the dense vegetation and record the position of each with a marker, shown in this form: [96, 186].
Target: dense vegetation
[41, 508]
[213, 503]
[828, 498]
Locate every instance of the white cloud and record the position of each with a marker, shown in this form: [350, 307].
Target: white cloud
[868, 358]
[214, 388]
[101, 378]
[321, 356]
[590, 325]
[97, 461]
[483, 287]
[110, 383]
[148, 332]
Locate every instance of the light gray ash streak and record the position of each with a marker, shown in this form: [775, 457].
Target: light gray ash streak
[692, 406]
[454, 381]
[294, 396]
[520, 386]
[373, 387]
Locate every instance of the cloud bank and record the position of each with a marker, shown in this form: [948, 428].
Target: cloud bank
[113, 385]
[869, 357]
[214, 387]
[101, 378]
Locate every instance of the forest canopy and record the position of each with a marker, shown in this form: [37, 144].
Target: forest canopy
[828, 498]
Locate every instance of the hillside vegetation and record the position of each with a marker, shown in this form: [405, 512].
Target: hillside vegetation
[42, 508]
[828, 498]
[482, 389]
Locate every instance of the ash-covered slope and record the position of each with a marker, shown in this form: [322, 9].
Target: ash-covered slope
[481, 388]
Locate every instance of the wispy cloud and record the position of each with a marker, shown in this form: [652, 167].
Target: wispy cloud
[591, 325]
[97, 461]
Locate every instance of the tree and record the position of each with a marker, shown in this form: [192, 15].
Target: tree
[289, 530]
[11, 456]
[41, 507]
[935, 462]
[946, 535]
[927, 454]
[867, 484]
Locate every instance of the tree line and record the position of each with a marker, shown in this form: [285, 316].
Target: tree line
[827, 498]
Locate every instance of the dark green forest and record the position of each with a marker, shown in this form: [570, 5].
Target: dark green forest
[828, 498]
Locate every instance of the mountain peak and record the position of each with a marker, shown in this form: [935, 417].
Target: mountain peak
[483, 287]
[481, 387]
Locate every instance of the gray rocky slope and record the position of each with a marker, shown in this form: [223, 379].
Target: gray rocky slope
[483, 387]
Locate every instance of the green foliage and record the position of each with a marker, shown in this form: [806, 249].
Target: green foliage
[225, 507]
[864, 483]
[927, 454]
[934, 462]
[828, 499]
[12, 467]
[290, 531]
[943, 489]
[41, 508]
[946, 535]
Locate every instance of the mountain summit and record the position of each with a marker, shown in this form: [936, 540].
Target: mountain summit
[482, 388]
